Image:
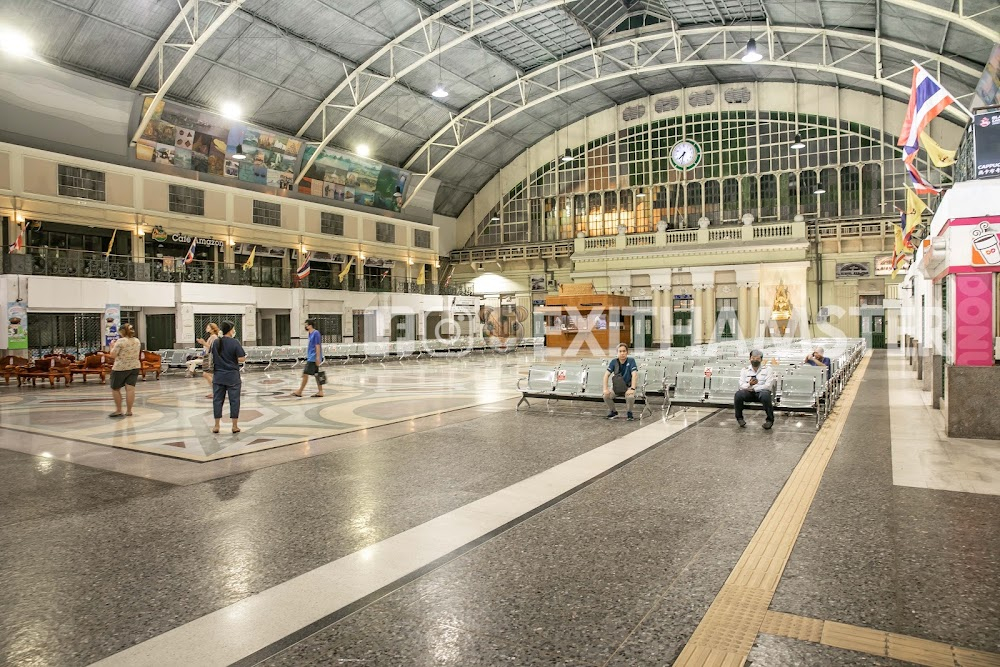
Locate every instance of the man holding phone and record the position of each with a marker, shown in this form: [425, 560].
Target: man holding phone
[756, 384]
[817, 359]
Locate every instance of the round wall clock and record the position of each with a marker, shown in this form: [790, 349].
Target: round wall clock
[685, 154]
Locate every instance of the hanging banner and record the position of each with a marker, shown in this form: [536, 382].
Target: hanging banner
[112, 323]
[17, 326]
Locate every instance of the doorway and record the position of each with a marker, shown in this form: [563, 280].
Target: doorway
[267, 332]
[160, 332]
[364, 327]
[403, 327]
[282, 329]
[877, 328]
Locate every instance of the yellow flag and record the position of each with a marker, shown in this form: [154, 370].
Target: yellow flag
[939, 156]
[347, 269]
[247, 265]
[111, 244]
[420, 275]
[914, 207]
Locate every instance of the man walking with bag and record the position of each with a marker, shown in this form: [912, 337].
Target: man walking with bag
[314, 359]
[623, 372]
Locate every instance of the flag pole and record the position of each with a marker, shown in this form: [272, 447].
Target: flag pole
[957, 103]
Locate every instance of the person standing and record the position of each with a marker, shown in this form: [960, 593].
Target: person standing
[624, 367]
[207, 368]
[314, 359]
[125, 370]
[756, 383]
[227, 354]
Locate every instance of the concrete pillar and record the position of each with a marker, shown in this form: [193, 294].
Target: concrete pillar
[743, 311]
[697, 319]
[937, 380]
[708, 315]
[753, 290]
[657, 317]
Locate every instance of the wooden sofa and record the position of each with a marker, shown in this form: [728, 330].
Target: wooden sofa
[9, 366]
[51, 368]
[151, 363]
[98, 364]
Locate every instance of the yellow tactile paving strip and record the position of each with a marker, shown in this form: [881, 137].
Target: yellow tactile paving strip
[875, 642]
[727, 632]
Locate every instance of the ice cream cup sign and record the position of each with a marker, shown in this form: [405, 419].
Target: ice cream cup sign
[987, 243]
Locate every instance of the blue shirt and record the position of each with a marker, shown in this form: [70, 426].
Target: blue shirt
[628, 368]
[226, 352]
[826, 362]
[315, 340]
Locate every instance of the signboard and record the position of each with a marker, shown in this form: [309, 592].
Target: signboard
[537, 283]
[853, 270]
[185, 239]
[17, 325]
[112, 323]
[384, 263]
[985, 245]
[986, 130]
[988, 89]
[683, 297]
[974, 319]
[883, 265]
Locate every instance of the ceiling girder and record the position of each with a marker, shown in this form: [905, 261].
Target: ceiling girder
[189, 54]
[356, 83]
[522, 94]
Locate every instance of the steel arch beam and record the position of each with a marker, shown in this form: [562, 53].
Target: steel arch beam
[188, 56]
[157, 50]
[962, 20]
[496, 108]
[360, 98]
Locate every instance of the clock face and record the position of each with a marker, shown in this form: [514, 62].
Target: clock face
[685, 154]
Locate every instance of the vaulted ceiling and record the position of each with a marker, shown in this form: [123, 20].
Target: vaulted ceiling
[346, 72]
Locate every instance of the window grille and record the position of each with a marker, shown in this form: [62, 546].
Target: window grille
[330, 327]
[385, 232]
[331, 223]
[190, 201]
[81, 183]
[266, 213]
[421, 238]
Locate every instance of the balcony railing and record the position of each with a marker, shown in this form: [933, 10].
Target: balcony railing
[684, 238]
[86, 264]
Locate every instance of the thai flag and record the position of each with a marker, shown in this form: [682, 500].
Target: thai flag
[303, 271]
[928, 98]
[920, 186]
[189, 257]
[18, 242]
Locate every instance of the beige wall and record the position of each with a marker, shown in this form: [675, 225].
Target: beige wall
[215, 205]
[4, 171]
[243, 210]
[119, 189]
[156, 195]
[40, 176]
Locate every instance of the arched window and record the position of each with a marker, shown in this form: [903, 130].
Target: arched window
[750, 197]
[871, 189]
[626, 210]
[850, 191]
[768, 197]
[808, 181]
[694, 207]
[595, 224]
[828, 180]
[611, 212]
[730, 200]
[789, 193]
[713, 199]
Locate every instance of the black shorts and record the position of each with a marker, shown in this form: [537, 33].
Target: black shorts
[311, 368]
[121, 378]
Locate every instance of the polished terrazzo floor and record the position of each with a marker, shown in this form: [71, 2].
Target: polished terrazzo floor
[485, 536]
[173, 418]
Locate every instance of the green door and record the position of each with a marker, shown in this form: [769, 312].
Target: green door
[642, 334]
[682, 329]
[160, 332]
[878, 332]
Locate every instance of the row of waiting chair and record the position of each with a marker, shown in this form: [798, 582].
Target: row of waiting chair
[685, 382]
[346, 352]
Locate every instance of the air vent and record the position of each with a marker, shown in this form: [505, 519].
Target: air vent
[633, 113]
[665, 104]
[703, 99]
[737, 95]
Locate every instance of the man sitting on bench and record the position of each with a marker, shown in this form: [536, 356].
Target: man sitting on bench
[623, 372]
[756, 382]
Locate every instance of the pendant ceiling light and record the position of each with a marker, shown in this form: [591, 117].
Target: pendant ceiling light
[797, 145]
[239, 154]
[567, 156]
[752, 55]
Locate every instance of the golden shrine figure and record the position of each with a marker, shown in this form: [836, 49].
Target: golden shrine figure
[781, 311]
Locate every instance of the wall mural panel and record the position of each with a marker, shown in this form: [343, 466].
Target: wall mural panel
[353, 179]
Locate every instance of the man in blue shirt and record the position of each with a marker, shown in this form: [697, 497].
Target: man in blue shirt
[625, 367]
[314, 359]
[756, 385]
[817, 359]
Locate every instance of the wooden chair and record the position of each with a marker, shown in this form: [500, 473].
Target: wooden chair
[52, 368]
[151, 362]
[10, 364]
[93, 364]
